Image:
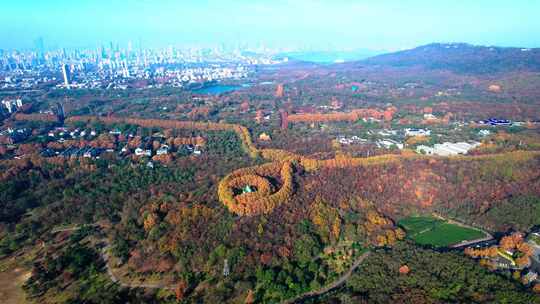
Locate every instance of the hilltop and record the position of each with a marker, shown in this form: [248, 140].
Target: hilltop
[462, 58]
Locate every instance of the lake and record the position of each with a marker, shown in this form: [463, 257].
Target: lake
[217, 89]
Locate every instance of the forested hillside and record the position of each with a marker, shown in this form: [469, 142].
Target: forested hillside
[462, 58]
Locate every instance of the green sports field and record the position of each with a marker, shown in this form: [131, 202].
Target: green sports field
[426, 230]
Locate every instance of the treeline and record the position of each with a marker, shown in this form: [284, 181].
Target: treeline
[178, 141]
[515, 243]
[36, 117]
[432, 277]
[477, 190]
[352, 116]
[492, 165]
[242, 132]
[256, 203]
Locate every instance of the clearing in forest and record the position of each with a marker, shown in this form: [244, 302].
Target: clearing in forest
[426, 230]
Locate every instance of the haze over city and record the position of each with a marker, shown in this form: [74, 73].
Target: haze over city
[302, 24]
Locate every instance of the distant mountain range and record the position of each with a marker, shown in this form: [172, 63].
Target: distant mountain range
[328, 57]
[462, 58]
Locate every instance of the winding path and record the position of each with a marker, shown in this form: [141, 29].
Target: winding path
[72, 228]
[104, 253]
[115, 279]
[279, 156]
[332, 285]
[106, 257]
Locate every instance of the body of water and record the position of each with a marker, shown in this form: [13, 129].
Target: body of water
[217, 89]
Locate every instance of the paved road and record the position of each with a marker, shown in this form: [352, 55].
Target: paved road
[330, 287]
[472, 242]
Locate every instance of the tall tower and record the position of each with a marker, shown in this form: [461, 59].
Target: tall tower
[40, 47]
[125, 69]
[284, 119]
[226, 268]
[279, 91]
[66, 73]
[60, 112]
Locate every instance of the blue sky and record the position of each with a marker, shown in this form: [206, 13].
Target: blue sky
[317, 24]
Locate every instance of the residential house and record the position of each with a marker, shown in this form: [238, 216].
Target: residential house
[386, 133]
[417, 132]
[429, 116]
[484, 133]
[530, 277]
[143, 152]
[164, 149]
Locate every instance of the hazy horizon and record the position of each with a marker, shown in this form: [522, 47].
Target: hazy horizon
[293, 25]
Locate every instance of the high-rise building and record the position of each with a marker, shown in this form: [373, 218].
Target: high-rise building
[125, 69]
[129, 49]
[7, 104]
[67, 75]
[60, 112]
[40, 47]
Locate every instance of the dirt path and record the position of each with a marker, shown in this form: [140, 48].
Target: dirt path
[73, 228]
[114, 278]
[11, 281]
[330, 287]
[106, 257]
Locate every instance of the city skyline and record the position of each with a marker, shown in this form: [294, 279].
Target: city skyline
[304, 24]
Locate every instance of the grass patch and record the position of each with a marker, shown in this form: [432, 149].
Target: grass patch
[417, 224]
[427, 230]
[535, 239]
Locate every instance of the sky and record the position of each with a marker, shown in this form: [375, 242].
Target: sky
[300, 24]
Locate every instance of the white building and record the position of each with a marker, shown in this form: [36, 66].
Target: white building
[484, 132]
[531, 276]
[345, 141]
[429, 116]
[12, 105]
[66, 73]
[424, 150]
[387, 133]
[143, 152]
[163, 150]
[447, 148]
[417, 132]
